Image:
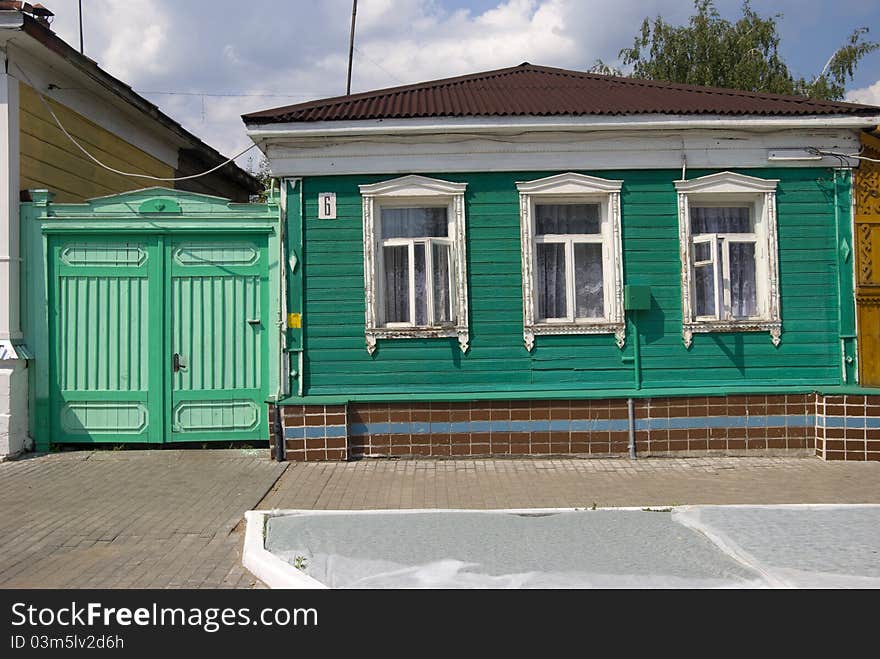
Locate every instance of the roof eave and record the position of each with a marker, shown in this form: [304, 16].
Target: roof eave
[86, 66]
[262, 132]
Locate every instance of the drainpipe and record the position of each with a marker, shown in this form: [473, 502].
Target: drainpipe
[283, 365]
[637, 377]
[845, 314]
[280, 449]
[631, 415]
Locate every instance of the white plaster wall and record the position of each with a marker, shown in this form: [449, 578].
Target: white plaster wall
[14, 438]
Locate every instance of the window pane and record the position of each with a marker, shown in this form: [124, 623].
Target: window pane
[743, 292]
[704, 290]
[396, 284]
[421, 276]
[588, 281]
[566, 218]
[414, 222]
[442, 294]
[702, 251]
[720, 220]
[550, 268]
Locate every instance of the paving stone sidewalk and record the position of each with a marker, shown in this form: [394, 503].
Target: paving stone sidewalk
[509, 483]
[129, 519]
[172, 518]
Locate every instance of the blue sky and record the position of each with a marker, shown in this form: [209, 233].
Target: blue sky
[272, 53]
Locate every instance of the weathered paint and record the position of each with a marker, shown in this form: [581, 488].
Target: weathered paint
[867, 238]
[116, 286]
[812, 270]
[49, 160]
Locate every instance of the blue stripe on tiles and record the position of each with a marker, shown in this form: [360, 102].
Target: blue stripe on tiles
[601, 425]
[294, 433]
[855, 422]
[872, 421]
[315, 432]
[835, 421]
[800, 421]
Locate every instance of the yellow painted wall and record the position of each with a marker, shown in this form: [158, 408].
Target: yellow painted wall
[49, 160]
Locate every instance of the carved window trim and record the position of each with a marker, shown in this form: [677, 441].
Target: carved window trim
[572, 188]
[760, 194]
[414, 189]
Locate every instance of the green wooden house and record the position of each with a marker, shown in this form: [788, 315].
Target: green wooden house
[541, 261]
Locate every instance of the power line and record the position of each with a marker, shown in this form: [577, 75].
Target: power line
[237, 94]
[108, 167]
[375, 63]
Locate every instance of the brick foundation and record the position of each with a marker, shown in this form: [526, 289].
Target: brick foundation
[848, 427]
[834, 427]
[311, 432]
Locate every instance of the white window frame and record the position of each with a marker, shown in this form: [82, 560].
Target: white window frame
[572, 188]
[729, 189]
[414, 192]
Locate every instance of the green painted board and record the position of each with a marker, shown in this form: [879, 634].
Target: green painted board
[814, 303]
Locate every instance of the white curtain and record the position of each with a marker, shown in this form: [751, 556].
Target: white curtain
[588, 280]
[742, 265]
[733, 219]
[743, 286]
[396, 284]
[550, 268]
[414, 222]
[566, 219]
[442, 298]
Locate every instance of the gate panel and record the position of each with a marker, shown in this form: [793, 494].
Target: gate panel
[103, 330]
[218, 339]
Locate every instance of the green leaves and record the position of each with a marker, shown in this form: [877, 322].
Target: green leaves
[715, 52]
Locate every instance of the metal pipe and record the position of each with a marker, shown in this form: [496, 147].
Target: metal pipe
[80, 27]
[354, 9]
[637, 352]
[280, 452]
[631, 416]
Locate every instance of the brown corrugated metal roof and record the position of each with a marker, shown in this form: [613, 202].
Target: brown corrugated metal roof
[541, 91]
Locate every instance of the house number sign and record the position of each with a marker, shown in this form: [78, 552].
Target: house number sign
[326, 205]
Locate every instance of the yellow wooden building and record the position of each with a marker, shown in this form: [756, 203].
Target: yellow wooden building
[39, 71]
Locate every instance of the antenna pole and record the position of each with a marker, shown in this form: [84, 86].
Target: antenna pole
[354, 9]
[80, 27]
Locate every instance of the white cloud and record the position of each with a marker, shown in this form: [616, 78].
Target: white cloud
[295, 51]
[868, 95]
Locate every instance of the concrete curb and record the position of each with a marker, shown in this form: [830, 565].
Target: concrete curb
[264, 565]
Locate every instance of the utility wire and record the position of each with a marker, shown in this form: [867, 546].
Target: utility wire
[112, 169]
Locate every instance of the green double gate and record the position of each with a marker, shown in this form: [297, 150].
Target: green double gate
[158, 339]
[151, 317]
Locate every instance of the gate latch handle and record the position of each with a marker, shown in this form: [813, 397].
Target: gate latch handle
[253, 321]
[177, 363]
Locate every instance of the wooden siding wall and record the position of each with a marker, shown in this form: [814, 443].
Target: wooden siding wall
[336, 362]
[49, 160]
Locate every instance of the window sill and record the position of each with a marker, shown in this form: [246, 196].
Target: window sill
[373, 334]
[774, 327]
[569, 329]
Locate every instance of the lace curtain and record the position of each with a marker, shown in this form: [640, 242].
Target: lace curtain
[416, 223]
[742, 264]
